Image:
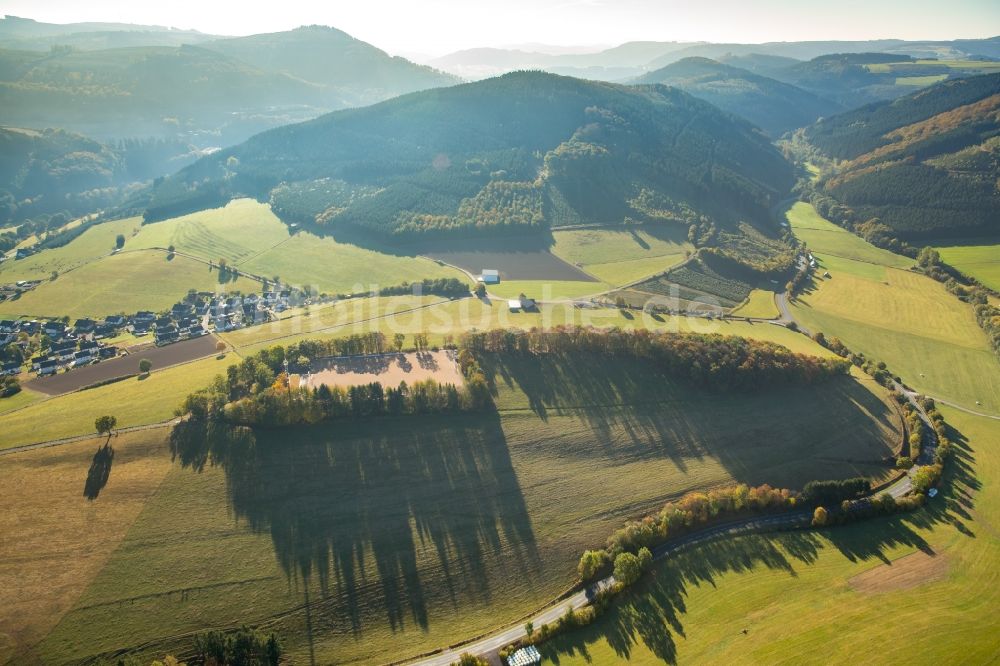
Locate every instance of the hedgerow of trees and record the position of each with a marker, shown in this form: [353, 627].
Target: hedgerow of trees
[716, 361]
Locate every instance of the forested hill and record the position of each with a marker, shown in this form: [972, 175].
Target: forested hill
[331, 57]
[525, 150]
[54, 175]
[927, 164]
[773, 106]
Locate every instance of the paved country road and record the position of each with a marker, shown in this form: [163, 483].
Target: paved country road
[791, 520]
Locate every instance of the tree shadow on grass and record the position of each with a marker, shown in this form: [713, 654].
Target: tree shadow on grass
[367, 510]
[636, 412]
[651, 612]
[99, 472]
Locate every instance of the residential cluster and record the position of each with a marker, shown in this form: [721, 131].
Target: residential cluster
[62, 346]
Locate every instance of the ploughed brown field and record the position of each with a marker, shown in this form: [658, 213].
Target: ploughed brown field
[123, 366]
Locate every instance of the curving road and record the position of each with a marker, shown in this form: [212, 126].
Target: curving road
[794, 520]
[783, 521]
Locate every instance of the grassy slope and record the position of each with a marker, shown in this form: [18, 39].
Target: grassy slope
[22, 398]
[760, 305]
[459, 522]
[908, 320]
[441, 318]
[246, 233]
[821, 234]
[980, 261]
[63, 539]
[342, 268]
[236, 233]
[153, 400]
[795, 595]
[133, 401]
[91, 245]
[622, 256]
[126, 282]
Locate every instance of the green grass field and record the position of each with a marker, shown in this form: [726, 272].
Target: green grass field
[903, 318]
[408, 315]
[760, 305]
[22, 398]
[154, 399]
[247, 234]
[239, 231]
[340, 267]
[886, 312]
[618, 257]
[405, 535]
[825, 237]
[123, 283]
[814, 597]
[133, 401]
[547, 289]
[920, 81]
[979, 259]
[93, 244]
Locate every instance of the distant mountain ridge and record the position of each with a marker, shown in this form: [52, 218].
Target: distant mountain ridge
[330, 57]
[27, 34]
[633, 59]
[772, 105]
[218, 92]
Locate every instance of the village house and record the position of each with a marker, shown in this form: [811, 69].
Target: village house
[84, 326]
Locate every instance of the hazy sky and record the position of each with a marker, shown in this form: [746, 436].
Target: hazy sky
[440, 26]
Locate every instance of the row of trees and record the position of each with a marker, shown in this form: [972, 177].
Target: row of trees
[711, 360]
[831, 492]
[281, 406]
[448, 287]
[677, 517]
[257, 391]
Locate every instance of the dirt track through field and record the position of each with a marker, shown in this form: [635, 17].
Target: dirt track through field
[161, 357]
[388, 369]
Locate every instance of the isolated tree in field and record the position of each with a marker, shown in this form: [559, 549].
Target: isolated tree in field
[397, 341]
[480, 290]
[105, 424]
[220, 347]
[627, 568]
[170, 251]
[145, 365]
[120, 241]
[620, 303]
[819, 516]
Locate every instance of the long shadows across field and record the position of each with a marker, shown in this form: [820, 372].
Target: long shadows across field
[352, 506]
[651, 613]
[835, 428]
